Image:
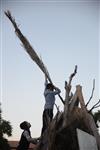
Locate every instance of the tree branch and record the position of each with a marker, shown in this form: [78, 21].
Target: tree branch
[72, 75]
[91, 93]
[95, 106]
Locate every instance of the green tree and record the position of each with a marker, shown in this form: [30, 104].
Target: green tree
[5, 128]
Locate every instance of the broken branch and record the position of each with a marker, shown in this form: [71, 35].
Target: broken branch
[92, 93]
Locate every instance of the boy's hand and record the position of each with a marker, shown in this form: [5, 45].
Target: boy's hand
[35, 140]
[55, 87]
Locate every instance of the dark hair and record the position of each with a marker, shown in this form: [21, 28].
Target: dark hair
[23, 125]
[49, 86]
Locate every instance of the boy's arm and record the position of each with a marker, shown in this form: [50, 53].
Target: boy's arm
[57, 90]
[29, 138]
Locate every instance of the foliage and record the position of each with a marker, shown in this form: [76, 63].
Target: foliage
[5, 128]
[4, 144]
[96, 117]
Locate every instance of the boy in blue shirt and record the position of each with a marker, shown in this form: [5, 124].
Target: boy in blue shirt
[49, 94]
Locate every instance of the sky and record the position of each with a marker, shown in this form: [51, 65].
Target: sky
[64, 34]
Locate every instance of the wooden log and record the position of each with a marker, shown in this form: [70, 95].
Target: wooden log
[73, 101]
[88, 118]
[65, 115]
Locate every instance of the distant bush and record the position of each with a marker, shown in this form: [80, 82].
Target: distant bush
[5, 128]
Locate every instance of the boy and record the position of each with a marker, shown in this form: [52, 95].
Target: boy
[26, 138]
[49, 94]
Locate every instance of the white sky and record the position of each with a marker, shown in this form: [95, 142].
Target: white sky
[64, 34]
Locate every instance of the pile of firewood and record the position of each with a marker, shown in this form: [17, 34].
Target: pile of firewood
[61, 133]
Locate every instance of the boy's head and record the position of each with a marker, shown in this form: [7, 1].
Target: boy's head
[50, 86]
[25, 125]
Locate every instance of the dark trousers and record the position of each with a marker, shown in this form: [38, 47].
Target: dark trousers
[46, 118]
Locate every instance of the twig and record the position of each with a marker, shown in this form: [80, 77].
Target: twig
[57, 107]
[61, 99]
[72, 75]
[91, 93]
[95, 106]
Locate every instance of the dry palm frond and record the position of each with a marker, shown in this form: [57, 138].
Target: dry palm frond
[29, 49]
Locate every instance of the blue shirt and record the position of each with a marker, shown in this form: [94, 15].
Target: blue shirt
[50, 97]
